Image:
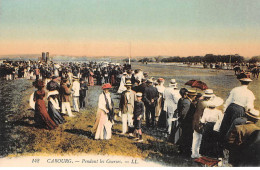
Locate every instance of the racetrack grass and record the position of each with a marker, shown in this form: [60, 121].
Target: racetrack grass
[75, 137]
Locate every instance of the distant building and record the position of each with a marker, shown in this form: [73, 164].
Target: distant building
[47, 57]
[43, 57]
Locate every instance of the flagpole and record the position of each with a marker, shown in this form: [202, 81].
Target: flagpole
[129, 60]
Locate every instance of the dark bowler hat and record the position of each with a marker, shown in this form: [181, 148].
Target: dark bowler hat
[54, 77]
[183, 91]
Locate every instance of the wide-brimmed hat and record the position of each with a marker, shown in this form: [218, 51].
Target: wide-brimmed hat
[39, 83]
[51, 93]
[128, 83]
[106, 86]
[208, 93]
[253, 114]
[160, 79]
[139, 94]
[246, 79]
[215, 102]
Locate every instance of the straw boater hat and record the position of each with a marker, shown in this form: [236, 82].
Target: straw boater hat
[139, 94]
[124, 73]
[208, 93]
[192, 92]
[173, 83]
[246, 79]
[55, 92]
[149, 81]
[217, 101]
[253, 114]
[106, 86]
[128, 83]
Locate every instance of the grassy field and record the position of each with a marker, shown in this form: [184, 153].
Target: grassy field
[75, 136]
[23, 138]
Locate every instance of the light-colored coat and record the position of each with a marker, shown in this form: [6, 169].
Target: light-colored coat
[171, 98]
[124, 102]
[76, 88]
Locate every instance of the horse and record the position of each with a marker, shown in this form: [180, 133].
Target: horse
[255, 72]
[237, 70]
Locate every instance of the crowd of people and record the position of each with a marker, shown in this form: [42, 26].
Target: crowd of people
[191, 120]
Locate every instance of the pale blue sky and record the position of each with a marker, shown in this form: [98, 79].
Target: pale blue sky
[130, 20]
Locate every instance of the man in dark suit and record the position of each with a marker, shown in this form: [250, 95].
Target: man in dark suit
[150, 97]
[185, 121]
[142, 86]
[82, 93]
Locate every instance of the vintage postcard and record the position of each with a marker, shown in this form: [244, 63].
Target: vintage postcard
[129, 83]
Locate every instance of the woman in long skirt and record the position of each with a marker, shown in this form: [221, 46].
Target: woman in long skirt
[104, 117]
[53, 107]
[91, 78]
[42, 117]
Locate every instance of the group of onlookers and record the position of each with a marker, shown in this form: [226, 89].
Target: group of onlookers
[191, 120]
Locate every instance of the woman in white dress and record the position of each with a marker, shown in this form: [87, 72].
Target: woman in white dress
[105, 114]
[122, 84]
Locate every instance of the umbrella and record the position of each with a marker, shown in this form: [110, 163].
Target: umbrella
[197, 84]
[190, 82]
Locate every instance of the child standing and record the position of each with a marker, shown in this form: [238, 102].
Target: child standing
[138, 114]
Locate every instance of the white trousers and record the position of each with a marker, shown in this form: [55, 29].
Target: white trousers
[76, 103]
[66, 106]
[196, 144]
[169, 121]
[127, 120]
[9, 77]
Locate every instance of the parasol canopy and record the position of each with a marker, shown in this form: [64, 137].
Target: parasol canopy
[197, 84]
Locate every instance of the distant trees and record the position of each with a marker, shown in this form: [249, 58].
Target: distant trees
[209, 58]
[145, 60]
[254, 59]
[126, 60]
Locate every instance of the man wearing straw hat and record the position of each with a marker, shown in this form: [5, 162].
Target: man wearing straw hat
[171, 97]
[65, 97]
[126, 106]
[197, 136]
[240, 100]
